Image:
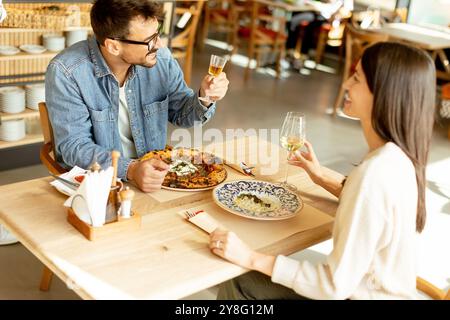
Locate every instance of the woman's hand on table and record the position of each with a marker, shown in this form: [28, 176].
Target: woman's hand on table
[307, 161]
[148, 175]
[227, 245]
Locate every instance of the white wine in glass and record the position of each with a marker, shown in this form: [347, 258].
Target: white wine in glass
[292, 138]
[216, 66]
[292, 143]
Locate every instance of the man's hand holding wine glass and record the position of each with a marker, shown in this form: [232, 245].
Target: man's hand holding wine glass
[214, 87]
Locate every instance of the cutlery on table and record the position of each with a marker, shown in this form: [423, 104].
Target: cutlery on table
[245, 170]
[70, 184]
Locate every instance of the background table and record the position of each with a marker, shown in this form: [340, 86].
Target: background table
[425, 38]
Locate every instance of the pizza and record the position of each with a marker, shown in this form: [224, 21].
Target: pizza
[190, 169]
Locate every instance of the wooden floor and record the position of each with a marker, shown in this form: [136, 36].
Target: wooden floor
[262, 104]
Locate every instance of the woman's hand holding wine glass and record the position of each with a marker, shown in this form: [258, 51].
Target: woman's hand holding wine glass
[308, 161]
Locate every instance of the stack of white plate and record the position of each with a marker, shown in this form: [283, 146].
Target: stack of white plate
[12, 130]
[12, 99]
[54, 42]
[74, 36]
[35, 93]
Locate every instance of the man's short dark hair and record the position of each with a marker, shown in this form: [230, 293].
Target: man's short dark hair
[111, 18]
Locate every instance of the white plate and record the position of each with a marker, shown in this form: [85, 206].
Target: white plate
[9, 50]
[213, 158]
[290, 203]
[188, 190]
[32, 48]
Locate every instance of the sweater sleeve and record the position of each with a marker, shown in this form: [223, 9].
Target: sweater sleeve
[358, 228]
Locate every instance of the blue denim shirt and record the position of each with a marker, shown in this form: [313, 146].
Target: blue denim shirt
[82, 97]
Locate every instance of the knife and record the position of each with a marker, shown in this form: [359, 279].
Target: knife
[240, 170]
[70, 184]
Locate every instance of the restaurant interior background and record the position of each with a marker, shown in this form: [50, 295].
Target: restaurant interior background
[259, 97]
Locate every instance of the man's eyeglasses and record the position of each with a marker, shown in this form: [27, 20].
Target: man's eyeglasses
[150, 43]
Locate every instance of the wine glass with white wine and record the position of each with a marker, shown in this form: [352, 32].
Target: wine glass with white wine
[216, 66]
[292, 138]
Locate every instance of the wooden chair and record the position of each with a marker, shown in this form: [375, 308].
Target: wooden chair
[332, 34]
[47, 153]
[262, 37]
[47, 156]
[183, 43]
[431, 290]
[220, 16]
[357, 41]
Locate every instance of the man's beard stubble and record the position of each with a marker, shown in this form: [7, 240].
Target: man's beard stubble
[144, 64]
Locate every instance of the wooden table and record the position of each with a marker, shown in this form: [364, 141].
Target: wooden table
[428, 39]
[168, 258]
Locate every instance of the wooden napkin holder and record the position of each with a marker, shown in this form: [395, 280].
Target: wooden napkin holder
[122, 225]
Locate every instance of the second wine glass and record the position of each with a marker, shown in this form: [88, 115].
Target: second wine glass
[292, 138]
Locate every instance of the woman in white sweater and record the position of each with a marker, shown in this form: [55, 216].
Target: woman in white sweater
[381, 203]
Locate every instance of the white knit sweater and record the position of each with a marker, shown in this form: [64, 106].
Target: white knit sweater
[373, 237]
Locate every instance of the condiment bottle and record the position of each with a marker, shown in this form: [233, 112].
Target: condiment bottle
[126, 197]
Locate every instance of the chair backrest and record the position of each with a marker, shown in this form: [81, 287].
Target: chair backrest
[183, 43]
[47, 153]
[266, 28]
[431, 290]
[221, 14]
[357, 40]
[47, 129]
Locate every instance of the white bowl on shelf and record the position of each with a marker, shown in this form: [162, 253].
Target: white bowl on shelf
[54, 42]
[12, 99]
[12, 130]
[32, 48]
[35, 93]
[9, 50]
[75, 35]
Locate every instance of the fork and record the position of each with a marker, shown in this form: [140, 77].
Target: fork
[190, 214]
[247, 170]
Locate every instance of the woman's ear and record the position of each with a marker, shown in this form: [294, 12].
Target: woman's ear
[112, 46]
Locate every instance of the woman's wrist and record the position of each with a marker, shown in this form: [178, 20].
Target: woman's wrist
[318, 178]
[262, 263]
[330, 183]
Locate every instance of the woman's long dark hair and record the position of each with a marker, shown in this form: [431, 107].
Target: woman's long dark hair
[402, 80]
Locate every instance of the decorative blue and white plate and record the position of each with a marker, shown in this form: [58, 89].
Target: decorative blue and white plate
[278, 203]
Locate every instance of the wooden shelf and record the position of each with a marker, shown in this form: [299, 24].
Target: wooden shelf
[29, 139]
[28, 113]
[28, 56]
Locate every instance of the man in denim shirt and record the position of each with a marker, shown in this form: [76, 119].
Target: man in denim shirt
[118, 90]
